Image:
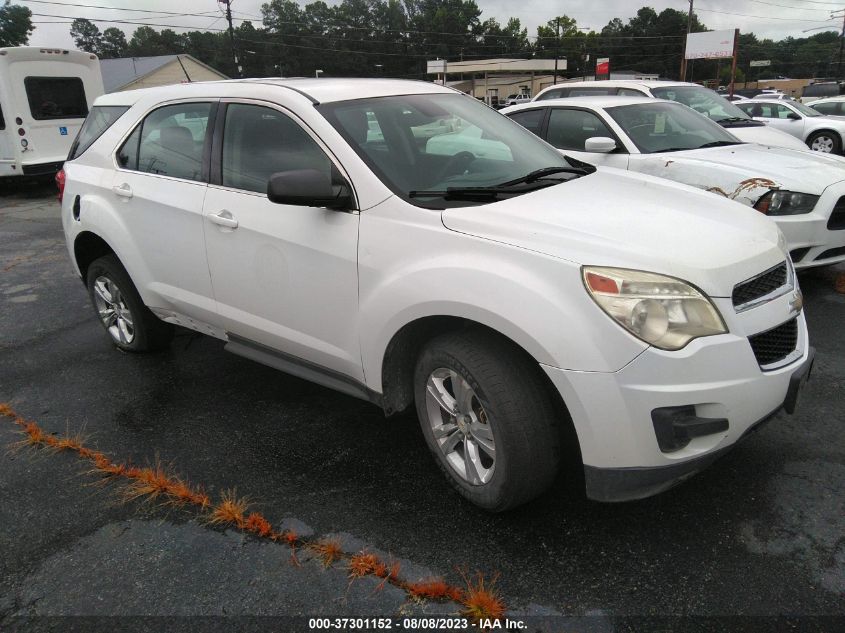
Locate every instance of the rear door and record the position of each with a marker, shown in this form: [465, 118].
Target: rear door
[7, 153]
[285, 276]
[158, 189]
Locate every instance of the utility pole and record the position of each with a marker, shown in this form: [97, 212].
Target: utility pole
[684, 56]
[841, 41]
[238, 71]
[557, 49]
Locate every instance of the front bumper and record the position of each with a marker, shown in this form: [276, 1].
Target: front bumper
[628, 484]
[810, 241]
[713, 379]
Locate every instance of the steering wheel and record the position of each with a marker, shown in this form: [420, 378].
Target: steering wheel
[641, 126]
[456, 164]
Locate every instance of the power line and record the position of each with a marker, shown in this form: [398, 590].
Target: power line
[762, 17]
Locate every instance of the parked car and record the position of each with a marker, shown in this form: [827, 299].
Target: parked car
[820, 133]
[699, 98]
[518, 303]
[517, 99]
[829, 106]
[45, 94]
[800, 190]
[774, 95]
[821, 90]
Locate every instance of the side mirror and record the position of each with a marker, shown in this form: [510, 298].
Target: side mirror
[599, 145]
[309, 188]
[793, 116]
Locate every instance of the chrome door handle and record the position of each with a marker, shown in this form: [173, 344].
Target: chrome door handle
[224, 218]
[124, 190]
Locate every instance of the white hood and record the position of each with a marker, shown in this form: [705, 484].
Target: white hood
[766, 135]
[613, 218]
[745, 172]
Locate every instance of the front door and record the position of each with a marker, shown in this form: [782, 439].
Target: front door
[284, 276]
[568, 130]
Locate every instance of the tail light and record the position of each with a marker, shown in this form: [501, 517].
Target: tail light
[60, 183]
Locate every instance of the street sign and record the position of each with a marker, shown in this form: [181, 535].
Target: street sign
[602, 65]
[436, 66]
[761, 62]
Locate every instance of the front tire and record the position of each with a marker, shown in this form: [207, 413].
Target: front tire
[487, 419]
[825, 142]
[121, 311]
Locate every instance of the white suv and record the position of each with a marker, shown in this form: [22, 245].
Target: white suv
[518, 300]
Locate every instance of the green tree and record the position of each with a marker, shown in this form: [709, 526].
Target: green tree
[113, 43]
[15, 25]
[86, 35]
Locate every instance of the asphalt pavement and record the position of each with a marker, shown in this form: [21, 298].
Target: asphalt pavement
[759, 534]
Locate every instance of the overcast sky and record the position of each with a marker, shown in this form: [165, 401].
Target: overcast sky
[766, 18]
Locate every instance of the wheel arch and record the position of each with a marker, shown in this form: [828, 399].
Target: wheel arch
[825, 130]
[404, 348]
[87, 247]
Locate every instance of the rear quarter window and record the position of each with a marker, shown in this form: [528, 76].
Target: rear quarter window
[56, 98]
[96, 123]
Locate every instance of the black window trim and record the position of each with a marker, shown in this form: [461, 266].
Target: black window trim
[209, 134]
[215, 150]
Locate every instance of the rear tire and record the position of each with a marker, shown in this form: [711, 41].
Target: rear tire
[825, 142]
[487, 418]
[121, 311]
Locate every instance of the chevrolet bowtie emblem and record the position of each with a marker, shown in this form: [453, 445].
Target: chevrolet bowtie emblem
[797, 302]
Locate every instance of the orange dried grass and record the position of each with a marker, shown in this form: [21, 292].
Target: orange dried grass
[481, 599]
[436, 589]
[230, 509]
[328, 551]
[257, 524]
[840, 283]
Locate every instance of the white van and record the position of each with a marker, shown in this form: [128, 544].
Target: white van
[45, 95]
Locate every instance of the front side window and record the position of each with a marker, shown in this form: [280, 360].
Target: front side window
[56, 98]
[259, 141]
[484, 150]
[701, 100]
[531, 120]
[805, 110]
[570, 129]
[668, 127]
[630, 92]
[169, 142]
[96, 123]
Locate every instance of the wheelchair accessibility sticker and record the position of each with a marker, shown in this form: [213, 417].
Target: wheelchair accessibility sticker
[63, 131]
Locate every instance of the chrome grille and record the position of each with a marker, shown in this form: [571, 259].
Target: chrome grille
[760, 286]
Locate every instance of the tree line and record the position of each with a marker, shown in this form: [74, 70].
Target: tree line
[395, 38]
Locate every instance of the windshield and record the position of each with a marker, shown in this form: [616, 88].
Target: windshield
[668, 127]
[701, 100]
[433, 142]
[805, 110]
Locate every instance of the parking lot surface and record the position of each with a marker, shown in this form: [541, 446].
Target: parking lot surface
[758, 534]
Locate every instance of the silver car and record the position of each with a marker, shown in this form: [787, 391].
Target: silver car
[820, 133]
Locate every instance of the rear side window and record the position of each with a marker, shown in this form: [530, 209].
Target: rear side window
[531, 120]
[100, 120]
[56, 98]
[557, 93]
[821, 90]
[831, 107]
[590, 91]
[169, 142]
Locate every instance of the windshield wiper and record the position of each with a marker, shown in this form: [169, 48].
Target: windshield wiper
[719, 144]
[735, 119]
[537, 174]
[530, 182]
[491, 192]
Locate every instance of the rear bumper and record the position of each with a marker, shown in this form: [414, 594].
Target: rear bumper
[629, 484]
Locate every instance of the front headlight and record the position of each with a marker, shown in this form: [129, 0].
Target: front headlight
[778, 202]
[662, 311]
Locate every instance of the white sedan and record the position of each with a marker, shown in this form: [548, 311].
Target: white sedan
[820, 133]
[803, 191]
